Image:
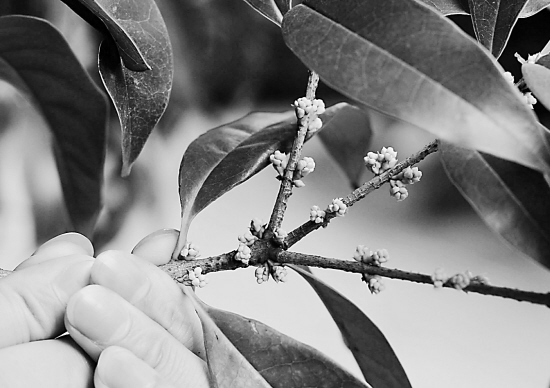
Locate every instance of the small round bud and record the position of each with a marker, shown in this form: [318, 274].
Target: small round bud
[315, 125]
[316, 214]
[439, 278]
[338, 206]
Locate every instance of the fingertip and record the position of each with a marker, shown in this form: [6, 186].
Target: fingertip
[157, 247]
[66, 244]
[120, 368]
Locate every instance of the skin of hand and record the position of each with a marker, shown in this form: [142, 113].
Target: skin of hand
[120, 310]
[136, 322]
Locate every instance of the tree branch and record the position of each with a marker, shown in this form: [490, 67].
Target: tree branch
[285, 190]
[361, 192]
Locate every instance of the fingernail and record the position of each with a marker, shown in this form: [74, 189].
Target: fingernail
[67, 243]
[120, 368]
[99, 314]
[157, 247]
[119, 271]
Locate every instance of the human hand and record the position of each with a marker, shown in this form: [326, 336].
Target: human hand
[33, 300]
[136, 322]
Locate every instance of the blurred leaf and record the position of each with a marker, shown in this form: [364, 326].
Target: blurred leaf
[493, 21]
[227, 156]
[537, 78]
[227, 366]
[369, 346]
[37, 60]
[449, 7]
[120, 21]
[407, 61]
[512, 199]
[140, 98]
[347, 139]
[284, 6]
[460, 7]
[269, 8]
[281, 360]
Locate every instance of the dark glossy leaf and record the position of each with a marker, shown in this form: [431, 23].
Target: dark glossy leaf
[269, 9]
[282, 361]
[115, 18]
[512, 199]
[460, 7]
[347, 139]
[227, 366]
[226, 156]
[370, 348]
[140, 98]
[537, 77]
[36, 59]
[493, 21]
[402, 58]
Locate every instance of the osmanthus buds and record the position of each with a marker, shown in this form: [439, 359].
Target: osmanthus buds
[279, 235]
[262, 273]
[190, 251]
[379, 162]
[316, 214]
[304, 167]
[366, 256]
[279, 273]
[374, 283]
[398, 190]
[257, 227]
[197, 278]
[307, 111]
[248, 238]
[243, 253]
[439, 277]
[461, 280]
[338, 206]
[279, 160]
[409, 175]
[530, 99]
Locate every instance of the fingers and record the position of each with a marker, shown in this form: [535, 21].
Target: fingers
[153, 292]
[98, 318]
[33, 299]
[63, 245]
[119, 368]
[46, 364]
[157, 248]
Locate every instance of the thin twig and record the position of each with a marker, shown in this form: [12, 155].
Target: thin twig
[285, 190]
[360, 193]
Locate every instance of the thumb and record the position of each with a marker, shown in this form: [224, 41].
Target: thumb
[157, 247]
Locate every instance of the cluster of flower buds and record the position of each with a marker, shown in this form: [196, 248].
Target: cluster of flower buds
[257, 227]
[409, 175]
[374, 283]
[379, 162]
[303, 168]
[279, 235]
[197, 278]
[316, 214]
[243, 253]
[307, 112]
[530, 100]
[366, 256]
[262, 273]
[190, 251]
[338, 206]
[279, 160]
[248, 238]
[398, 190]
[279, 273]
[439, 277]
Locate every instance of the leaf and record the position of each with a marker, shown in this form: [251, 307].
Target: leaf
[281, 360]
[112, 17]
[227, 156]
[140, 98]
[269, 9]
[493, 21]
[370, 348]
[347, 139]
[227, 366]
[460, 7]
[37, 60]
[405, 60]
[510, 198]
[537, 77]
